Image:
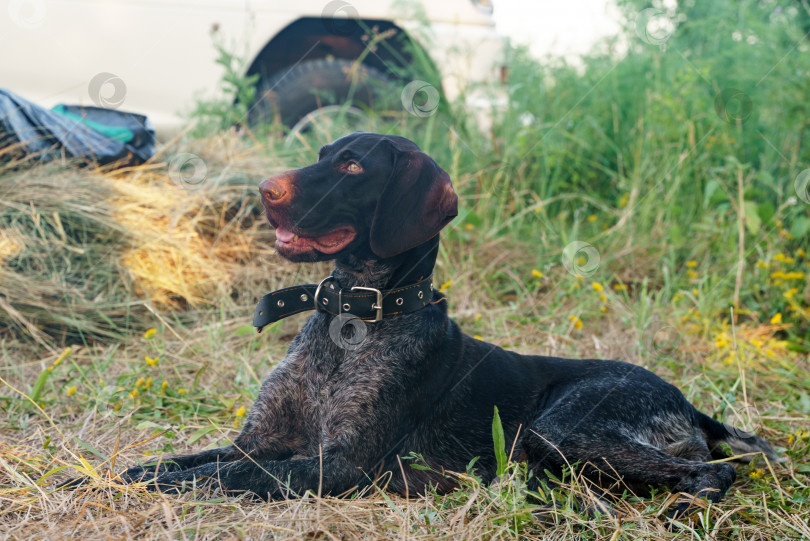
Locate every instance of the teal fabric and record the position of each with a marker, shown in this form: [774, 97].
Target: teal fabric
[123, 135]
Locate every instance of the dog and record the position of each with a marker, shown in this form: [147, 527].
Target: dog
[380, 371]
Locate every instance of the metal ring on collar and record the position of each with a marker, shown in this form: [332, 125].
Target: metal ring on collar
[318, 290]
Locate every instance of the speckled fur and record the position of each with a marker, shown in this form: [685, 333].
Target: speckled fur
[331, 420]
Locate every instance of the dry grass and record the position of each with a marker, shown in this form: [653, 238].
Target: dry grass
[77, 435]
[191, 263]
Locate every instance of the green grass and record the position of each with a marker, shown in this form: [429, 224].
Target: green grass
[697, 269]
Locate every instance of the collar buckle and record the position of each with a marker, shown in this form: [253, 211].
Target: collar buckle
[377, 306]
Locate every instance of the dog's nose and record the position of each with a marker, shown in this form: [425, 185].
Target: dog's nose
[272, 190]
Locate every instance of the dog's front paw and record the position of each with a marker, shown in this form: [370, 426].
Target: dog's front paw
[147, 472]
[684, 508]
[178, 482]
[132, 475]
[71, 484]
[138, 474]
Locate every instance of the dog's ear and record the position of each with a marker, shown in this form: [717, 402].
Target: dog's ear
[417, 202]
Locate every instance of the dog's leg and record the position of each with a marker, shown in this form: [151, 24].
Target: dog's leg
[271, 479]
[148, 470]
[614, 457]
[271, 431]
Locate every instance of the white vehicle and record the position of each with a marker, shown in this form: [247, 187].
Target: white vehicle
[156, 57]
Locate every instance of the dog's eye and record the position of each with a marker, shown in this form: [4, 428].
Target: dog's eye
[354, 167]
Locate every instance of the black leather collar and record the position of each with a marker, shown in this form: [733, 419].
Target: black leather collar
[365, 303]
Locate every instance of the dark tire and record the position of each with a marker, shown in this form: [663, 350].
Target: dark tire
[293, 93]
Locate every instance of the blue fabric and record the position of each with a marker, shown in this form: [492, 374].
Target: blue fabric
[47, 134]
[119, 133]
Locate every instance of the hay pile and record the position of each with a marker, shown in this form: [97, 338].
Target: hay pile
[59, 271]
[82, 252]
[181, 251]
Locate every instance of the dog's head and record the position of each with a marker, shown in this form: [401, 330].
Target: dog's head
[370, 195]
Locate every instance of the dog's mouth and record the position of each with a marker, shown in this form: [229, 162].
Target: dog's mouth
[290, 243]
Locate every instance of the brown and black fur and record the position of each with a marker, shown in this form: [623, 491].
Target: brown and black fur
[333, 420]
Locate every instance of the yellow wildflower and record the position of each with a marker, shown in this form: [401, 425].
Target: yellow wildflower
[150, 333]
[776, 319]
[756, 474]
[576, 321]
[602, 297]
[800, 253]
[592, 218]
[240, 412]
[133, 393]
[164, 385]
[445, 285]
[691, 264]
[790, 293]
[762, 264]
[152, 361]
[181, 390]
[536, 273]
[148, 383]
[478, 337]
[603, 309]
[62, 357]
[695, 292]
[620, 287]
[478, 316]
[623, 201]
[71, 391]
[692, 274]
[782, 275]
[797, 436]
[597, 286]
[468, 227]
[140, 381]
